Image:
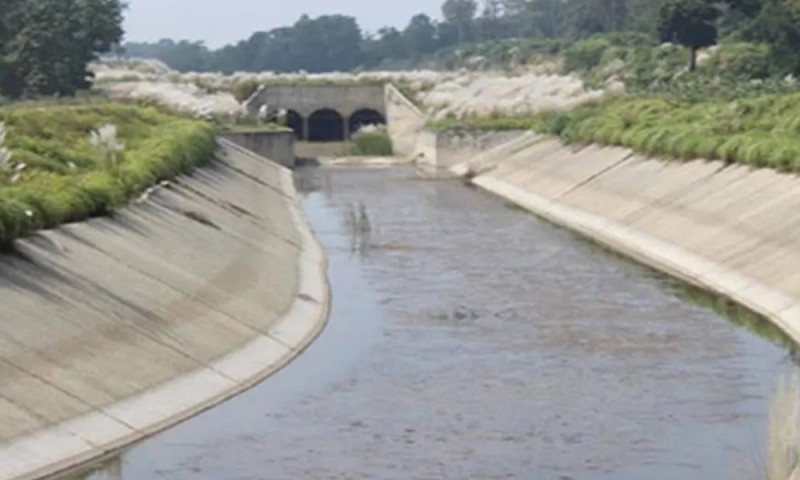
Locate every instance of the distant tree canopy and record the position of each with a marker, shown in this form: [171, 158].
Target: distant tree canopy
[691, 23]
[336, 42]
[45, 45]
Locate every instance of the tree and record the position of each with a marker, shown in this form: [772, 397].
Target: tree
[547, 17]
[47, 44]
[492, 8]
[420, 35]
[388, 44]
[690, 23]
[585, 18]
[460, 13]
[748, 8]
[778, 24]
[342, 42]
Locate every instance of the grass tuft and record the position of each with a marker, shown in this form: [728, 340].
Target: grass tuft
[372, 144]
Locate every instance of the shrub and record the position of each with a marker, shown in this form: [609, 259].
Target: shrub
[585, 54]
[742, 61]
[372, 143]
[242, 91]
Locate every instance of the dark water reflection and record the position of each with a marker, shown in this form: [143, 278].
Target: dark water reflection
[469, 340]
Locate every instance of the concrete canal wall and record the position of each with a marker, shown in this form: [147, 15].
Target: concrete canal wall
[442, 150]
[116, 328]
[727, 228]
[278, 146]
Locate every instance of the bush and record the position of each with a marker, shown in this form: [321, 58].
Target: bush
[757, 131]
[372, 143]
[743, 61]
[65, 179]
[586, 54]
[243, 90]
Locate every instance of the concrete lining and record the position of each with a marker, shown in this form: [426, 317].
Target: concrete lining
[145, 319]
[278, 146]
[725, 229]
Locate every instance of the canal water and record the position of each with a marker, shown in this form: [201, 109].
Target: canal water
[470, 340]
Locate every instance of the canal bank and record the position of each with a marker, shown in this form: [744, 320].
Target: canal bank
[471, 340]
[117, 328]
[725, 228]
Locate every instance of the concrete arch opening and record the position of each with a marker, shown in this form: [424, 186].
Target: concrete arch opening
[296, 122]
[363, 117]
[326, 125]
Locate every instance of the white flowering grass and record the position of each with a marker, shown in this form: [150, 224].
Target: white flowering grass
[182, 97]
[105, 140]
[7, 166]
[5, 154]
[443, 94]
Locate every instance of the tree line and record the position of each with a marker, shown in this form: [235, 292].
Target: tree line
[336, 42]
[45, 45]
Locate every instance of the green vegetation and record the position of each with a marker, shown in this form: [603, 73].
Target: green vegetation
[733, 103]
[736, 313]
[690, 23]
[503, 33]
[45, 45]
[761, 131]
[372, 144]
[55, 174]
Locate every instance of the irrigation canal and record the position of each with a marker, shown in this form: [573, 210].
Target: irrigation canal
[470, 340]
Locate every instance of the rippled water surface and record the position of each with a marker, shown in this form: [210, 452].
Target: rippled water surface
[469, 340]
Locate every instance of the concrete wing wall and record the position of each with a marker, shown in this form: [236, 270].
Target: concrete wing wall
[276, 146]
[115, 328]
[406, 125]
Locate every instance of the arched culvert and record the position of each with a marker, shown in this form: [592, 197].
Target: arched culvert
[364, 117]
[326, 125]
[295, 121]
[290, 119]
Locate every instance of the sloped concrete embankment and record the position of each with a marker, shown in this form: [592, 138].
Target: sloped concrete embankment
[118, 327]
[727, 228]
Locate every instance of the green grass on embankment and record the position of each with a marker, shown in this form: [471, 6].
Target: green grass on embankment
[761, 131]
[66, 179]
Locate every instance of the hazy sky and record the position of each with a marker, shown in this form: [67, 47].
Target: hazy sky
[218, 22]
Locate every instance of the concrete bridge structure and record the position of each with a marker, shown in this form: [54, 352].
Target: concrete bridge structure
[327, 113]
